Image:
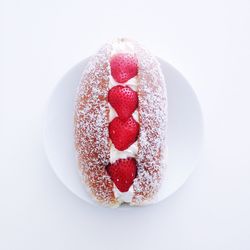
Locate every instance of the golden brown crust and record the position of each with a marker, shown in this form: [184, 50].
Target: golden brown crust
[151, 157]
[91, 128]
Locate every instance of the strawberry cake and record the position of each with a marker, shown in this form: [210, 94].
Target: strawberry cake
[120, 125]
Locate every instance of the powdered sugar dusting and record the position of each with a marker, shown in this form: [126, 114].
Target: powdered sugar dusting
[91, 127]
[92, 119]
[151, 159]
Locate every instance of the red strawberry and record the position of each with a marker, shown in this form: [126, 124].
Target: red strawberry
[123, 133]
[123, 67]
[124, 100]
[122, 173]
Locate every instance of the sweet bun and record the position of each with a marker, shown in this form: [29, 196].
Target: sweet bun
[120, 125]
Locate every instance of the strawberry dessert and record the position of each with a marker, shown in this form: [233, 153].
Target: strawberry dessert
[120, 125]
[123, 127]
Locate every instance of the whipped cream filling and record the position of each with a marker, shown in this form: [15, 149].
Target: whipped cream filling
[115, 154]
[123, 46]
[113, 114]
[132, 83]
[124, 196]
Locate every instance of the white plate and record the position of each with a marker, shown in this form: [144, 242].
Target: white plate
[185, 130]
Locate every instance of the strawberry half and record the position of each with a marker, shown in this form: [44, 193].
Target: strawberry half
[123, 133]
[124, 100]
[123, 173]
[123, 67]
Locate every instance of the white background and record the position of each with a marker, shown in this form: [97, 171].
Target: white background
[208, 41]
